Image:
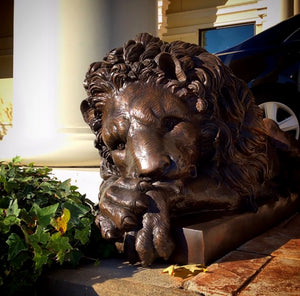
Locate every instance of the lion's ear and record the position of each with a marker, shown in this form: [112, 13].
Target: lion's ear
[87, 112]
[89, 116]
[170, 66]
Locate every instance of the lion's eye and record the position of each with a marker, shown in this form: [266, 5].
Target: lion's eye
[120, 146]
[169, 123]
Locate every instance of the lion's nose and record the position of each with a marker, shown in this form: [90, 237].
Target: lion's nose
[154, 166]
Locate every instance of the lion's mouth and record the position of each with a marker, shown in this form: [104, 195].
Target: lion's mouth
[174, 186]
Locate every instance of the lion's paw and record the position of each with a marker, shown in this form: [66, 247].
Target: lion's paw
[153, 240]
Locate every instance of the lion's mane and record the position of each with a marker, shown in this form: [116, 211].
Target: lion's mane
[208, 86]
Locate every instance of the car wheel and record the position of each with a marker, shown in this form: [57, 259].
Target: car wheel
[283, 115]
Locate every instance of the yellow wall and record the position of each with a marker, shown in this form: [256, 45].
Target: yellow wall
[6, 94]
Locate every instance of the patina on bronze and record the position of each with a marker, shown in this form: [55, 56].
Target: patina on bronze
[178, 134]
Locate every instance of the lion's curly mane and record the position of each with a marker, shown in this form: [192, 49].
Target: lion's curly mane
[196, 76]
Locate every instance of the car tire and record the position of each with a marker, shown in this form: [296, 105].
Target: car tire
[283, 115]
[280, 104]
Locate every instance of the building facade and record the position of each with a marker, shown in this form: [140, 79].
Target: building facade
[186, 20]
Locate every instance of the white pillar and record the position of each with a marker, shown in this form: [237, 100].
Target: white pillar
[278, 11]
[296, 7]
[54, 43]
[287, 9]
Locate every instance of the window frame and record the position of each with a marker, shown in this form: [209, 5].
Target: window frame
[200, 31]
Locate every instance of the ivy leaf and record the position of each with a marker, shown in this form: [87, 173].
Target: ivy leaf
[65, 186]
[19, 260]
[13, 209]
[61, 223]
[46, 187]
[40, 258]
[60, 245]
[41, 254]
[40, 236]
[10, 185]
[44, 215]
[7, 222]
[185, 271]
[26, 179]
[83, 234]
[30, 220]
[77, 211]
[16, 245]
[16, 159]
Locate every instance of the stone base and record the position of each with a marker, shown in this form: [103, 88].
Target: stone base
[205, 242]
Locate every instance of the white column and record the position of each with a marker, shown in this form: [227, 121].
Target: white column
[277, 11]
[296, 7]
[54, 43]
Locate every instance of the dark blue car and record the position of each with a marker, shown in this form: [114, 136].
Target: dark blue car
[270, 64]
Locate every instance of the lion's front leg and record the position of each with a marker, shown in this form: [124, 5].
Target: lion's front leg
[125, 208]
[154, 239]
[121, 206]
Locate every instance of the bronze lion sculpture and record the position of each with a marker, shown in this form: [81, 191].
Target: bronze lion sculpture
[177, 133]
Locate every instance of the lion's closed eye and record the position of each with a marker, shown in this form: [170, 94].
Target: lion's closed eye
[168, 123]
[114, 142]
[118, 145]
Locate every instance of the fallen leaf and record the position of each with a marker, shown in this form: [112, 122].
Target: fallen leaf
[169, 270]
[184, 271]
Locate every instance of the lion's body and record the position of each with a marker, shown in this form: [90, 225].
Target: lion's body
[171, 121]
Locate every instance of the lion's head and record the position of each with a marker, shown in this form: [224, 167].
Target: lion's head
[169, 111]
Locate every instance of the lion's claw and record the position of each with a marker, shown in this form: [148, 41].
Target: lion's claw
[154, 239]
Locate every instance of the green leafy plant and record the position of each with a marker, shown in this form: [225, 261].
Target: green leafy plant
[43, 223]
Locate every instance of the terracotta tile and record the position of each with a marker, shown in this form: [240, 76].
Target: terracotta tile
[228, 275]
[289, 250]
[280, 276]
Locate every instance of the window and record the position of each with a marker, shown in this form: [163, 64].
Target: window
[221, 38]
